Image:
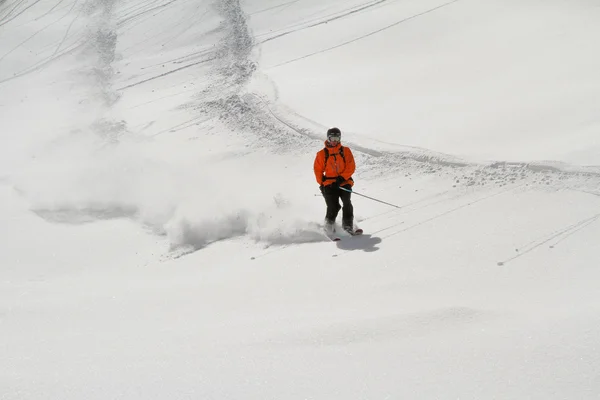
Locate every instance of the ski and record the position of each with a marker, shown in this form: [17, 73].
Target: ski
[333, 237]
[354, 232]
[330, 233]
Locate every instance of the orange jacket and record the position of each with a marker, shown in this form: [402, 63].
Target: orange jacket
[336, 166]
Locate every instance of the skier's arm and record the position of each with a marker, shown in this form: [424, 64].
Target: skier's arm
[350, 165]
[319, 167]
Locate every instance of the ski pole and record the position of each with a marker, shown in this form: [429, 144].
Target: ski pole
[356, 193]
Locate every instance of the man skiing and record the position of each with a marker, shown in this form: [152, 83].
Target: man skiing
[334, 166]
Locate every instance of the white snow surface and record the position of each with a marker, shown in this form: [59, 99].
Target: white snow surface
[160, 224]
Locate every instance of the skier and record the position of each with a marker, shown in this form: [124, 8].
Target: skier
[334, 166]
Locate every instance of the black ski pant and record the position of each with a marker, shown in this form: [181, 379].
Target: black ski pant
[332, 195]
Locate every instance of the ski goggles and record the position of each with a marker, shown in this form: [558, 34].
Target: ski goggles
[335, 139]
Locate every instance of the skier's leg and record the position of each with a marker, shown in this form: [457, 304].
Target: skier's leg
[348, 210]
[333, 204]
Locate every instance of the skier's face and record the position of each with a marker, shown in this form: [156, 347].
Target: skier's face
[334, 139]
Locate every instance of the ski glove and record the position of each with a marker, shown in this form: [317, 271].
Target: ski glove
[339, 180]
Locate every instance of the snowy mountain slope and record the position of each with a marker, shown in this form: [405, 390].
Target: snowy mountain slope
[491, 80]
[159, 215]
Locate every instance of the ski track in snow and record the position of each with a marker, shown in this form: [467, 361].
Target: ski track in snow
[555, 237]
[360, 37]
[322, 20]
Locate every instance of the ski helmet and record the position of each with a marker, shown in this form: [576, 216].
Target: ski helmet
[334, 133]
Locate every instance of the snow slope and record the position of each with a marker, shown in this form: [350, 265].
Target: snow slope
[159, 217]
[491, 80]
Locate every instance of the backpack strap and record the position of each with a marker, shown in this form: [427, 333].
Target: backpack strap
[326, 150]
